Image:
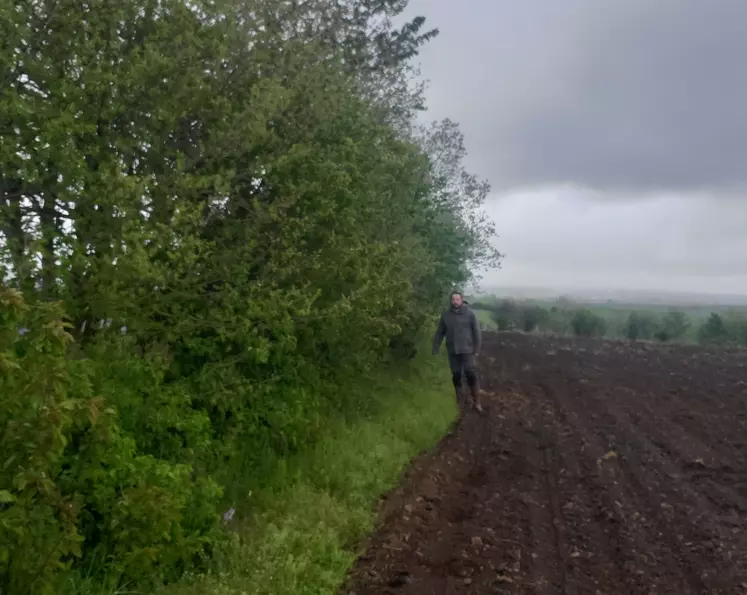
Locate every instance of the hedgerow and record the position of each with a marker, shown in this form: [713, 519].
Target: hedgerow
[213, 215]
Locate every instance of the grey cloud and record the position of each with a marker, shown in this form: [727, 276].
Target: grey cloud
[571, 238]
[632, 95]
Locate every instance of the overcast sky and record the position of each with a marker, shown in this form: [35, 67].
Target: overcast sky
[614, 133]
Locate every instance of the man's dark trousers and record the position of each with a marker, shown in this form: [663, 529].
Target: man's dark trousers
[463, 363]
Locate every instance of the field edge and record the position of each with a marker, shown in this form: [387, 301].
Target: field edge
[311, 522]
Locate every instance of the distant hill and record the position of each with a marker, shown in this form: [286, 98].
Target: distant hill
[636, 297]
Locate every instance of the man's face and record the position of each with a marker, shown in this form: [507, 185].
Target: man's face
[456, 300]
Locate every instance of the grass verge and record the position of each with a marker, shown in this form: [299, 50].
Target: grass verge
[299, 533]
[486, 320]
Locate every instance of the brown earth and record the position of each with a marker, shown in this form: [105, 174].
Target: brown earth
[599, 468]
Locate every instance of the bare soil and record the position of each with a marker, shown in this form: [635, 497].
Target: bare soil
[599, 467]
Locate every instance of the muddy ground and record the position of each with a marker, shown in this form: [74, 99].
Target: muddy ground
[599, 468]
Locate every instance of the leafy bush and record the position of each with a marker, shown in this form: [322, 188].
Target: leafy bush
[736, 328]
[234, 209]
[509, 314]
[533, 317]
[672, 327]
[640, 326]
[713, 330]
[505, 314]
[587, 324]
[72, 486]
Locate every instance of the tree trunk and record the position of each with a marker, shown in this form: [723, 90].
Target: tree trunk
[11, 224]
[50, 231]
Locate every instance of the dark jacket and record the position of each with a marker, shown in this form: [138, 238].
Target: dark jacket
[461, 330]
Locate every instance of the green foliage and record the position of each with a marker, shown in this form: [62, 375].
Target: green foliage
[505, 315]
[713, 330]
[73, 487]
[728, 328]
[672, 327]
[533, 318]
[215, 218]
[725, 326]
[736, 326]
[508, 314]
[586, 323]
[640, 326]
[304, 525]
[41, 403]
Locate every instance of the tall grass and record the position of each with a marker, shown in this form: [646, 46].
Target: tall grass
[299, 533]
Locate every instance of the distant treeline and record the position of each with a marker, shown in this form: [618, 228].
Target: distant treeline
[565, 317]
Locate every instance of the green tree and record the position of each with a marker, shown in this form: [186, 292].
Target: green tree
[533, 316]
[505, 315]
[672, 327]
[456, 201]
[233, 210]
[713, 330]
[586, 323]
[639, 326]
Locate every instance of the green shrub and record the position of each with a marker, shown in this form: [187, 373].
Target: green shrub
[672, 327]
[533, 317]
[241, 220]
[713, 330]
[505, 314]
[639, 326]
[736, 328]
[586, 323]
[72, 486]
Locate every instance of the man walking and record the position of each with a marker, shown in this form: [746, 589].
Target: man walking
[459, 325]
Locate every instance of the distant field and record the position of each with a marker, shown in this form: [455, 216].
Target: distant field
[486, 320]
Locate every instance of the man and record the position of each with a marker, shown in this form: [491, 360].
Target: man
[459, 325]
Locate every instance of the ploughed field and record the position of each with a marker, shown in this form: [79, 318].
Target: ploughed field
[599, 467]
